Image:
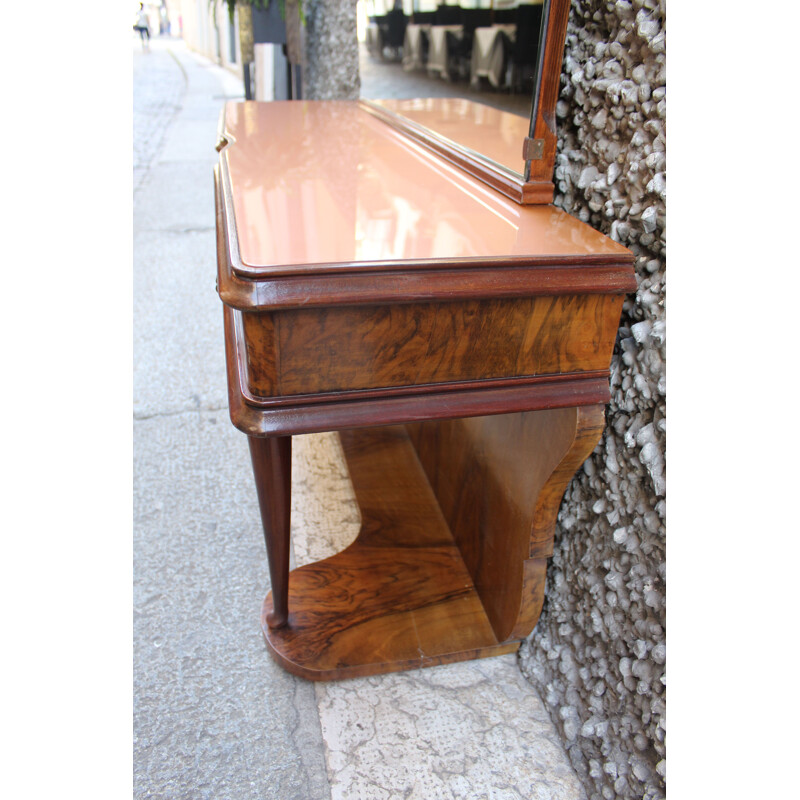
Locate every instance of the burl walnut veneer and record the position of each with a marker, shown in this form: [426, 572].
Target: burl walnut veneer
[460, 343]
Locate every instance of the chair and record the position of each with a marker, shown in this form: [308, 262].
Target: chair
[523, 57]
[393, 31]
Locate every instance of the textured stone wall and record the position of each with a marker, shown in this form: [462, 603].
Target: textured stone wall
[331, 71]
[598, 652]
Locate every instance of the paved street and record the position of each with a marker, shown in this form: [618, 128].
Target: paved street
[160, 86]
[214, 717]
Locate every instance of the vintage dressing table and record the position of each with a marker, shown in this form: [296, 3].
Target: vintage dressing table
[421, 296]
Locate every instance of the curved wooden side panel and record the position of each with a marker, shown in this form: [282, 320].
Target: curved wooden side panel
[589, 423]
[544, 124]
[499, 482]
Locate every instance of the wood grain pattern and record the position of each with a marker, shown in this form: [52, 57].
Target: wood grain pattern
[496, 354]
[334, 412]
[261, 349]
[499, 482]
[400, 596]
[350, 348]
[589, 424]
[449, 563]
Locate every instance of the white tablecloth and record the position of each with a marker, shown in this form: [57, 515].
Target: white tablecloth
[487, 53]
[437, 54]
[412, 46]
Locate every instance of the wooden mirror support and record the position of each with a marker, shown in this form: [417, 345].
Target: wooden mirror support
[512, 155]
[539, 149]
[459, 343]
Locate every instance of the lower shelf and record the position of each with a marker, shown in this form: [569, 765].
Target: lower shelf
[400, 597]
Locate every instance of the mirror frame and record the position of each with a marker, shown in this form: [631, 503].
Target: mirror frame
[538, 151]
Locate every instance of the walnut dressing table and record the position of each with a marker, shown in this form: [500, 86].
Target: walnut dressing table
[394, 271]
[459, 342]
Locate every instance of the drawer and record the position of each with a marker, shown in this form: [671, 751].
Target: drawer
[351, 348]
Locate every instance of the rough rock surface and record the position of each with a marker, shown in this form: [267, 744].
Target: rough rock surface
[331, 50]
[598, 652]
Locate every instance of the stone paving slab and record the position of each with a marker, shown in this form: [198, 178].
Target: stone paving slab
[173, 198]
[178, 333]
[456, 732]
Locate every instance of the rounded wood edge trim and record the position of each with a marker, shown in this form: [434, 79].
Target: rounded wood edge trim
[483, 384]
[488, 280]
[408, 268]
[492, 279]
[386, 283]
[232, 290]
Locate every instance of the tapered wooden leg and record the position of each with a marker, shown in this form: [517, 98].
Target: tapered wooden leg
[272, 468]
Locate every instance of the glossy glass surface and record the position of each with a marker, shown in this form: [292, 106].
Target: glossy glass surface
[313, 183]
[497, 135]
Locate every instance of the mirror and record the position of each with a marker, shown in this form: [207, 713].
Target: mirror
[513, 155]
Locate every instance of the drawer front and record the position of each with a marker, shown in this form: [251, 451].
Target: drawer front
[334, 349]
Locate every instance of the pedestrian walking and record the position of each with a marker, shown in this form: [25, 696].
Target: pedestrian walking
[143, 27]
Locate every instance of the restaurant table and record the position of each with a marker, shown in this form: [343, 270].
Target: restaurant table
[458, 342]
[488, 53]
[439, 50]
[373, 39]
[414, 46]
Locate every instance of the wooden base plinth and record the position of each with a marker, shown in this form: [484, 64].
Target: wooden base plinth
[400, 597]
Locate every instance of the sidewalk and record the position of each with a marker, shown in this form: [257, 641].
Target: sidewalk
[214, 716]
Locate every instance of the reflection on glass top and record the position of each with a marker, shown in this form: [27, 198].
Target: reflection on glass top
[325, 182]
[494, 134]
